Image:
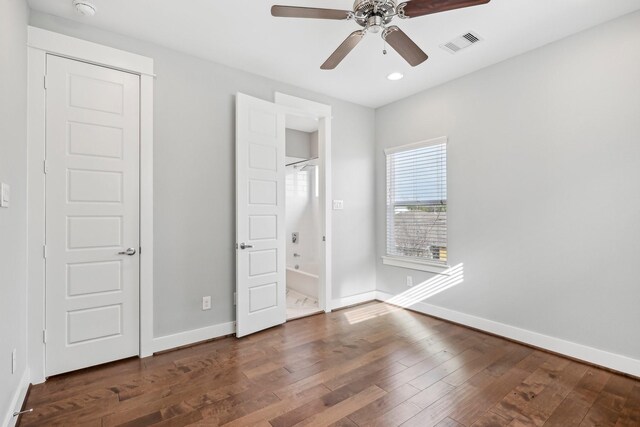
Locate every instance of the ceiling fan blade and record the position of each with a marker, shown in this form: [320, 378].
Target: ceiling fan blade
[402, 44]
[309, 12]
[416, 8]
[343, 50]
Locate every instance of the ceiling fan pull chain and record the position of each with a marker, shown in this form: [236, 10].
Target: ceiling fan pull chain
[384, 46]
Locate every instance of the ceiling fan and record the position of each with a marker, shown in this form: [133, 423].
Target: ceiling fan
[374, 16]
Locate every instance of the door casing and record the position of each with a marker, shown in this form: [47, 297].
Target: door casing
[322, 113]
[40, 43]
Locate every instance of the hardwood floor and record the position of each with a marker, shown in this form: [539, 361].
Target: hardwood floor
[371, 365]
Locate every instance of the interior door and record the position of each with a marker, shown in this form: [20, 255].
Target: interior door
[92, 215]
[260, 215]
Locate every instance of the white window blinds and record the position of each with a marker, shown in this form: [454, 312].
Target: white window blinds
[417, 201]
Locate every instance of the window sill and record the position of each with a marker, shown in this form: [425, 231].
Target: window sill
[414, 264]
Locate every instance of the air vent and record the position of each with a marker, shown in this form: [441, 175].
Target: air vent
[462, 42]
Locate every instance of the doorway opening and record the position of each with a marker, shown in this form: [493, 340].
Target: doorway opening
[261, 209]
[304, 228]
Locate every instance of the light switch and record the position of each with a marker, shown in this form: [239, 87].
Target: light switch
[5, 191]
[338, 205]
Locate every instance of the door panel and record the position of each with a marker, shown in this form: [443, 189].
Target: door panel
[92, 214]
[260, 180]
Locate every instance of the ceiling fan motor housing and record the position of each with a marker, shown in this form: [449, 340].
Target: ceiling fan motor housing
[374, 12]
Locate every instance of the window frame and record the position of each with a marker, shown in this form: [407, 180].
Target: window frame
[409, 262]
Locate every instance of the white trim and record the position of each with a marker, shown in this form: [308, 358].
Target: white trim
[146, 215]
[35, 214]
[17, 400]
[323, 113]
[588, 354]
[414, 264]
[416, 145]
[339, 303]
[85, 51]
[193, 336]
[40, 43]
[314, 108]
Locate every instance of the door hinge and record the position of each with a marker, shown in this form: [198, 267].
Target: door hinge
[44, 251]
[45, 166]
[45, 81]
[44, 336]
[235, 298]
[139, 249]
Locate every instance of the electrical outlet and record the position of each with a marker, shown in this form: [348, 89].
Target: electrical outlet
[13, 361]
[338, 205]
[409, 281]
[206, 303]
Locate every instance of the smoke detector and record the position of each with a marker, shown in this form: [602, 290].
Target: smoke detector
[84, 7]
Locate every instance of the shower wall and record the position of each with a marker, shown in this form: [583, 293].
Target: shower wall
[303, 213]
[303, 217]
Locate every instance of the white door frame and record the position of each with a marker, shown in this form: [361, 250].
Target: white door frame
[40, 44]
[322, 112]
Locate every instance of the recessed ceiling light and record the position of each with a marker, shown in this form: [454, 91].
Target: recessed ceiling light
[395, 76]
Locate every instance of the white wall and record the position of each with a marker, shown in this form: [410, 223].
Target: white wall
[13, 220]
[544, 187]
[194, 181]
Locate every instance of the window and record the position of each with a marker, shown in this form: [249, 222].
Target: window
[417, 202]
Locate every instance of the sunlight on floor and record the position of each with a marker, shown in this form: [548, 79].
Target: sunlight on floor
[443, 281]
[425, 290]
[366, 313]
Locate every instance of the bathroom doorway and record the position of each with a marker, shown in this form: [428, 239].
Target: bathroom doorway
[304, 217]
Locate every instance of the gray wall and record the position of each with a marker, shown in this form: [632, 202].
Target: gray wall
[298, 144]
[13, 220]
[544, 187]
[194, 181]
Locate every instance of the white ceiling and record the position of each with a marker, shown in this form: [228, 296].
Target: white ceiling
[242, 34]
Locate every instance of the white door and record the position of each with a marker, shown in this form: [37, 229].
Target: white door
[260, 215]
[92, 215]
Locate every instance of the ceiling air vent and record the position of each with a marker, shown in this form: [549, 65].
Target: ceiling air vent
[462, 42]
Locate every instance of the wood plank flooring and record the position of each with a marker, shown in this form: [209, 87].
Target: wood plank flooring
[371, 365]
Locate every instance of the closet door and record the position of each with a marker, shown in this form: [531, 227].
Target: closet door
[92, 215]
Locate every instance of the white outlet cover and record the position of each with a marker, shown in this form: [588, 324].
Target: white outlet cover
[409, 281]
[338, 205]
[206, 303]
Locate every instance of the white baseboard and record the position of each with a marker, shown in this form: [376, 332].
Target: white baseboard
[180, 339]
[191, 337]
[17, 400]
[585, 353]
[338, 303]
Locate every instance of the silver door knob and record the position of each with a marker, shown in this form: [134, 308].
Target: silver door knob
[129, 251]
[244, 246]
